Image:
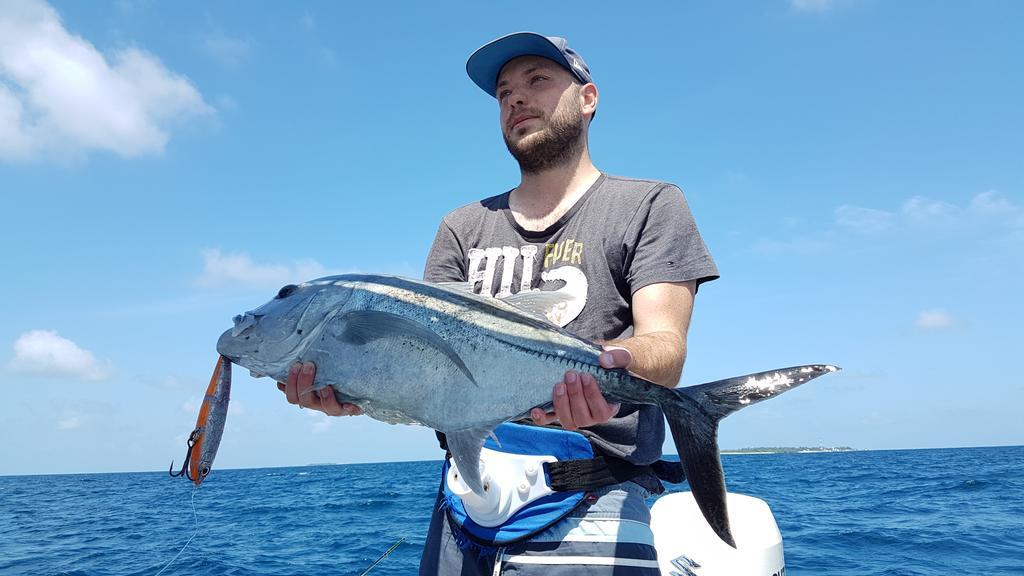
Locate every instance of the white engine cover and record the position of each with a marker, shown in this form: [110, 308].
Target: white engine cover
[687, 546]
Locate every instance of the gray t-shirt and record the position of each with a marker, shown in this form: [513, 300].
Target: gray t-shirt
[622, 235]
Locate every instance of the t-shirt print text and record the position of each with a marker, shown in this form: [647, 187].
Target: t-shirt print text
[495, 267]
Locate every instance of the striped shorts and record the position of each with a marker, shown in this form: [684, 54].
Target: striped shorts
[608, 534]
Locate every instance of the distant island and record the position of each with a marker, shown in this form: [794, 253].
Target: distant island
[789, 449]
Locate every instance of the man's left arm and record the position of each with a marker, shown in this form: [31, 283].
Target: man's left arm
[661, 319]
[656, 351]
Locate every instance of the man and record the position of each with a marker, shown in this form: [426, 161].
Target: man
[627, 258]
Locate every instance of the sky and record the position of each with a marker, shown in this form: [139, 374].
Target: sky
[855, 167]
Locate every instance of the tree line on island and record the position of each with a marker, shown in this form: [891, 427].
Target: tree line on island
[788, 449]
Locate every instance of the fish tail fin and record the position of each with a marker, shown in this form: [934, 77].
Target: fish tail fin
[695, 434]
[693, 414]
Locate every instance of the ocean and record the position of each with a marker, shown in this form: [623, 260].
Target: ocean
[902, 512]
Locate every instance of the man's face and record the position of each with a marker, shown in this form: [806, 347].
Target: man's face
[541, 118]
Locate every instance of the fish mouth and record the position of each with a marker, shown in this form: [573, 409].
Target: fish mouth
[225, 345]
[242, 348]
[239, 351]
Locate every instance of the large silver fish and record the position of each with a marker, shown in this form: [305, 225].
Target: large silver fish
[412, 352]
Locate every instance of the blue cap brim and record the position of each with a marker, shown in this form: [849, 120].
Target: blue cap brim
[486, 63]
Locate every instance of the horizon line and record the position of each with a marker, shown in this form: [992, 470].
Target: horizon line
[310, 465]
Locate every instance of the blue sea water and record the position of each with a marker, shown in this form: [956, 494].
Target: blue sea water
[908, 512]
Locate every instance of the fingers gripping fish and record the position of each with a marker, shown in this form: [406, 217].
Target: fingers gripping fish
[205, 439]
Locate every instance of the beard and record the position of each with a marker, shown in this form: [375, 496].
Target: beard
[560, 142]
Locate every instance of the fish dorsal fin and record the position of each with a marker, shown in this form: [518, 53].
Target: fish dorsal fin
[534, 303]
[539, 303]
[365, 326]
[464, 287]
[465, 447]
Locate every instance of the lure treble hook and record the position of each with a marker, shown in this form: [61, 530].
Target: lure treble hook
[205, 439]
[188, 457]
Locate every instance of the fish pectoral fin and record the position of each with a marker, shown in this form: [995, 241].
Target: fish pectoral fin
[465, 446]
[364, 326]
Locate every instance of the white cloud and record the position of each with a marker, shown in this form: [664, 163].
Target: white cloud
[321, 422]
[69, 421]
[864, 220]
[227, 50]
[934, 319]
[60, 96]
[812, 5]
[45, 353]
[984, 211]
[235, 269]
[800, 245]
[927, 211]
[988, 214]
[167, 382]
[227, 102]
[194, 403]
[992, 204]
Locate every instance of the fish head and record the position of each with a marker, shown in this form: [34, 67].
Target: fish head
[269, 339]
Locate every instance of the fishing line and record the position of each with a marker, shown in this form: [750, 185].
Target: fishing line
[382, 556]
[194, 532]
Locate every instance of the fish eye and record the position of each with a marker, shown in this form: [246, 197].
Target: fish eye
[204, 471]
[287, 291]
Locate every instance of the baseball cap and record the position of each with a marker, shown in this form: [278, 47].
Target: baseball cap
[485, 64]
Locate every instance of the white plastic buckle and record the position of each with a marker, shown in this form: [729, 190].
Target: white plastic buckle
[511, 481]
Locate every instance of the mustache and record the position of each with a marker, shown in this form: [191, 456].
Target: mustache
[558, 144]
[521, 113]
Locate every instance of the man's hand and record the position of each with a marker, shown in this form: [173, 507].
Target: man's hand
[578, 401]
[298, 390]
